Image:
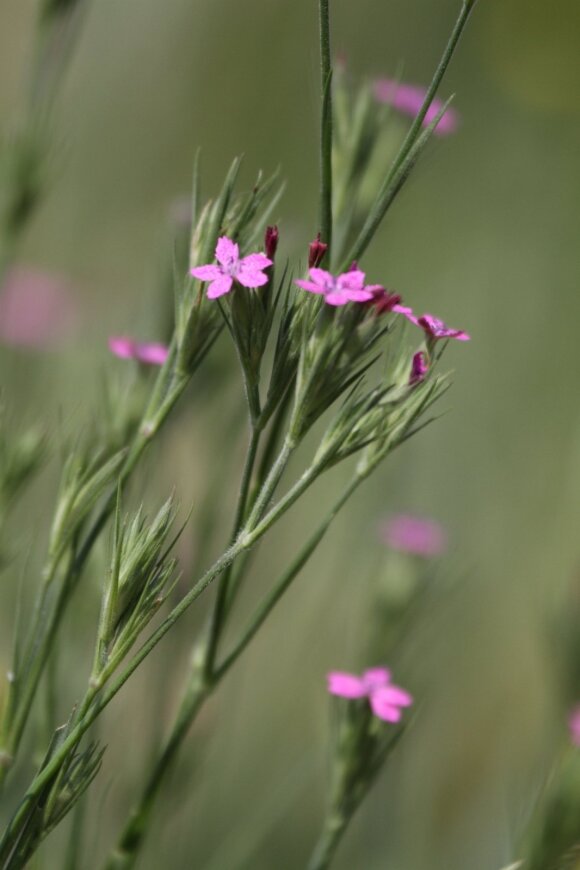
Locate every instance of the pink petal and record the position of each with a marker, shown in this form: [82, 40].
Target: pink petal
[384, 710]
[220, 286]
[409, 99]
[255, 261]
[152, 354]
[123, 347]
[374, 678]
[406, 312]
[353, 280]
[227, 252]
[249, 277]
[309, 285]
[337, 298]
[322, 277]
[206, 273]
[346, 685]
[359, 295]
[395, 696]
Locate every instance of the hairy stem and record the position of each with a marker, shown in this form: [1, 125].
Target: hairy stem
[325, 127]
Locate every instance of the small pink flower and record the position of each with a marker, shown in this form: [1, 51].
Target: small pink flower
[386, 700]
[149, 354]
[348, 287]
[419, 368]
[415, 535]
[574, 725]
[248, 271]
[408, 99]
[36, 309]
[434, 328]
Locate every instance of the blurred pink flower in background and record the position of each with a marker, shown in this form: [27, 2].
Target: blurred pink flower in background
[386, 700]
[36, 309]
[415, 535]
[574, 725]
[408, 99]
[151, 353]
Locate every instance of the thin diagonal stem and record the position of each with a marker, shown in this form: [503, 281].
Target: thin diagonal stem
[325, 127]
[383, 202]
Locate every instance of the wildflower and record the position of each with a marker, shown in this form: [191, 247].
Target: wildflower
[419, 368]
[386, 700]
[348, 287]
[271, 242]
[316, 252]
[408, 99]
[415, 535]
[36, 309]
[147, 353]
[433, 327]
[247, 271]
[574, 725]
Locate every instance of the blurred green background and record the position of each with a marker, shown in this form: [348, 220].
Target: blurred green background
[486, 236]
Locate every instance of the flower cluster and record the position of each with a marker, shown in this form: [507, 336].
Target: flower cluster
[386, 700]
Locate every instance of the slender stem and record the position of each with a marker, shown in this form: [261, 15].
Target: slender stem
[375, 218]
[219, 611]
[267, 491]
[330, 837]
[325, 126]
[126, 852]
[272, 598]
[46, 775]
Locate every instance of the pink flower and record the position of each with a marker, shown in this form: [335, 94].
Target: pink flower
[247, 271]
[416, 535]
[408, 99]
[419, 368]
[36, 309]
[149, 354]
[348, 287]
[433, 328]
[574, 725]
[386, 700]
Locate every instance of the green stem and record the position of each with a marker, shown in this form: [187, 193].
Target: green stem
[325, 127]
[330, 837]
[273, 597]
[126, 852]
[47, 620]
[375, 218]
[219, 611]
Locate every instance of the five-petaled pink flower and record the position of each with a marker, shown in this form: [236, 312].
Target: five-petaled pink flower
[386, 700]
[408, 99]
[574, 725]
[248, 271]
[419, 368]
[433, 328]
[348, 287]
[415, 535]
[148, 353]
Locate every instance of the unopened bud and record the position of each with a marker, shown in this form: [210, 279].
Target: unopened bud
[271, 241]
[419, 368]
[316, 252]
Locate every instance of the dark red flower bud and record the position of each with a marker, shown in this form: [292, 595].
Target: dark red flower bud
[271, 242]
[419, 368]
[316, 252]
[384, 301]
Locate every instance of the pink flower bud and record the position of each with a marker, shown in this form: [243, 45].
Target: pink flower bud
[316, 252]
